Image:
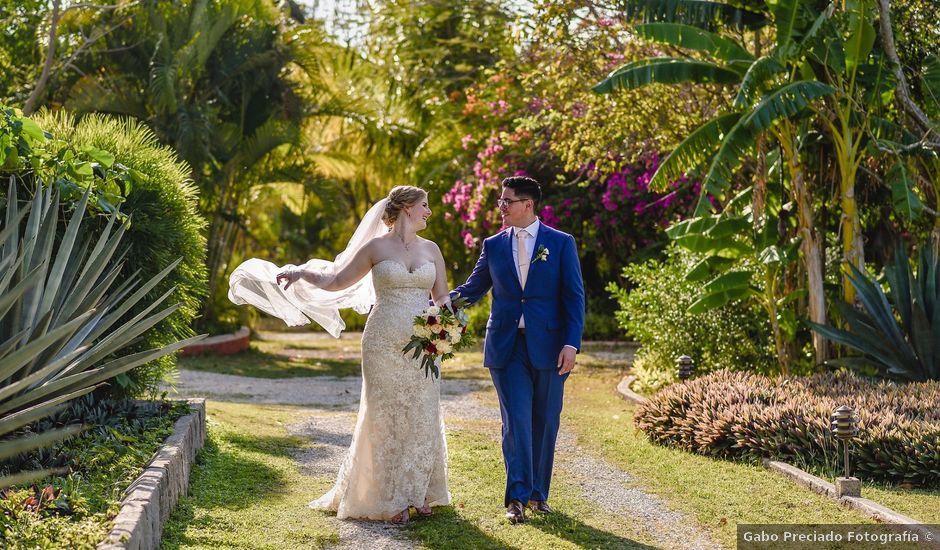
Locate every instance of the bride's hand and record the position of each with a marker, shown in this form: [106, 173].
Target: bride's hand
[289, 276]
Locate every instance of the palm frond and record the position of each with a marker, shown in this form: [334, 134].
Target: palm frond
[694, 38]
[785, 17]
[665, 70]
[700, 13]
[931, 80]
[757, 74]
[695, 150]
[786, 102]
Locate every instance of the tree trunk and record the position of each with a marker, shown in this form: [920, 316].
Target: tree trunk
[810, 244]
[902, 90]
[783, 353]
[40, 88]
[853, 247]
[759, 195]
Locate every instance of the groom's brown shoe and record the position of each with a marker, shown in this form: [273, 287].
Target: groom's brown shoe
[515, 512]
[541, 507]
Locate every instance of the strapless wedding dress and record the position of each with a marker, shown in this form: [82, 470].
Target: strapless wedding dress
[398, 455]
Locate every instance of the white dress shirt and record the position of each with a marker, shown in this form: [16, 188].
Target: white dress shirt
[533, 231]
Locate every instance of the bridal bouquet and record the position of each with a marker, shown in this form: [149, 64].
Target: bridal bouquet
[439, 332]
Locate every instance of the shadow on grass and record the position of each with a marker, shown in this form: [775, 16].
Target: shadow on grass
[260, 364]
[446, 529]
[577, 532]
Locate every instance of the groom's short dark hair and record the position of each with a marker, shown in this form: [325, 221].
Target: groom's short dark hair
[524, 187]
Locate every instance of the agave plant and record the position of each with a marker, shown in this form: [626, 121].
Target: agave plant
[899, 336]
[61, 325]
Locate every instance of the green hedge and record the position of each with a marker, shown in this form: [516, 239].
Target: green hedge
[747, 416]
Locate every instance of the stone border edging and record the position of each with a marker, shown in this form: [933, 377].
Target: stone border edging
[151, 498]
[623, 388]
[220, 344]
[870, 508]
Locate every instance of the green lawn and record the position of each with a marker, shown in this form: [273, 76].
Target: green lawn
[247, 488]
[720, 494]
[246, 491]
[263, 364]
[284, 358]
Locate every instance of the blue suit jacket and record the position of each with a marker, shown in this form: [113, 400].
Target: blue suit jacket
[552, 301]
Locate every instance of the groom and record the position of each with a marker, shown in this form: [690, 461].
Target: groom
[532, 336]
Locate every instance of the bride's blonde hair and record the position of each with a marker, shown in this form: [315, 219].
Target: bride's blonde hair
[399, 198]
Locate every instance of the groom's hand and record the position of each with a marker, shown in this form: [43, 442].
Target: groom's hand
[566, 360]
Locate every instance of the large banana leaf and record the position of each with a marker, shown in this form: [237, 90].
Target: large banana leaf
[694, 38]
[757, 74]
[62, 327]
[785, 16]
[786, 102]
[694, 151]
[903, 194]
[700, 13]
[931, 80]
[665, 70]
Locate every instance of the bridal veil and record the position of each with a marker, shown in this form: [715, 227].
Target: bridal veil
[253, 283]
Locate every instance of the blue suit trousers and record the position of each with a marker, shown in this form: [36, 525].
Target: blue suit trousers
[530, 402]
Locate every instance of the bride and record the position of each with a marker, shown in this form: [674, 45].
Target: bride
[398, 456]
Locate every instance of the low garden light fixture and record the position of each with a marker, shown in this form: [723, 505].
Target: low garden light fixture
[685, 367]
[845, 426]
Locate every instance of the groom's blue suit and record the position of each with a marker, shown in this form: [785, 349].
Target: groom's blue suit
[524, 365]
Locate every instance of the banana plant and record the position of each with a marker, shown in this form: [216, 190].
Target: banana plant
[771, 100]
[62, 326]
[742, 263]
[898, 334]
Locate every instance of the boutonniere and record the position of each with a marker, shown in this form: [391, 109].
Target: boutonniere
[541, 255]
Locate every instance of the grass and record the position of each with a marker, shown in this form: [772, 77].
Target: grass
[920, 504]
[262, 364]
[719, 494]
[246, 491]
[284, 357]
[475, 519]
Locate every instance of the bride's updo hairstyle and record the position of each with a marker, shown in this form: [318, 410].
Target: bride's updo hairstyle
[399, 198]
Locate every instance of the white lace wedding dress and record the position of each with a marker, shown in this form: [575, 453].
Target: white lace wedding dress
[398, 455]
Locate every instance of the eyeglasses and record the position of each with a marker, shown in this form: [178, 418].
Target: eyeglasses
[507, 202]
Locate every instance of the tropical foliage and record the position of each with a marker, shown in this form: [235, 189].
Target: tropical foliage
[656, 311]
[748, 416]
[820, 71]
[128, 174]
[62, 325]
[898, 334]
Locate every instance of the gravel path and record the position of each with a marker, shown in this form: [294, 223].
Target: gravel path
[332, 404]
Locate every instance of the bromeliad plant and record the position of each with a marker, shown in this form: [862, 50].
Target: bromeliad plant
[899, 335]
[62, 327]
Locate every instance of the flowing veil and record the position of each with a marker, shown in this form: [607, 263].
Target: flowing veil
[253, 283]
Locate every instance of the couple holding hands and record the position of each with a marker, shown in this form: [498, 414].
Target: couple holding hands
[398, 456]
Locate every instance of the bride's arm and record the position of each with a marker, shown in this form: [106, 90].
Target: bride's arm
[440, 291]
[356, 269]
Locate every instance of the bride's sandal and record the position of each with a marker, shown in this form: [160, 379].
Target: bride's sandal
[401, 518]
[425, 510]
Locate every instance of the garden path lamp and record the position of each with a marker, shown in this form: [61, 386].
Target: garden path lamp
[845, 427]
[685, 366]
